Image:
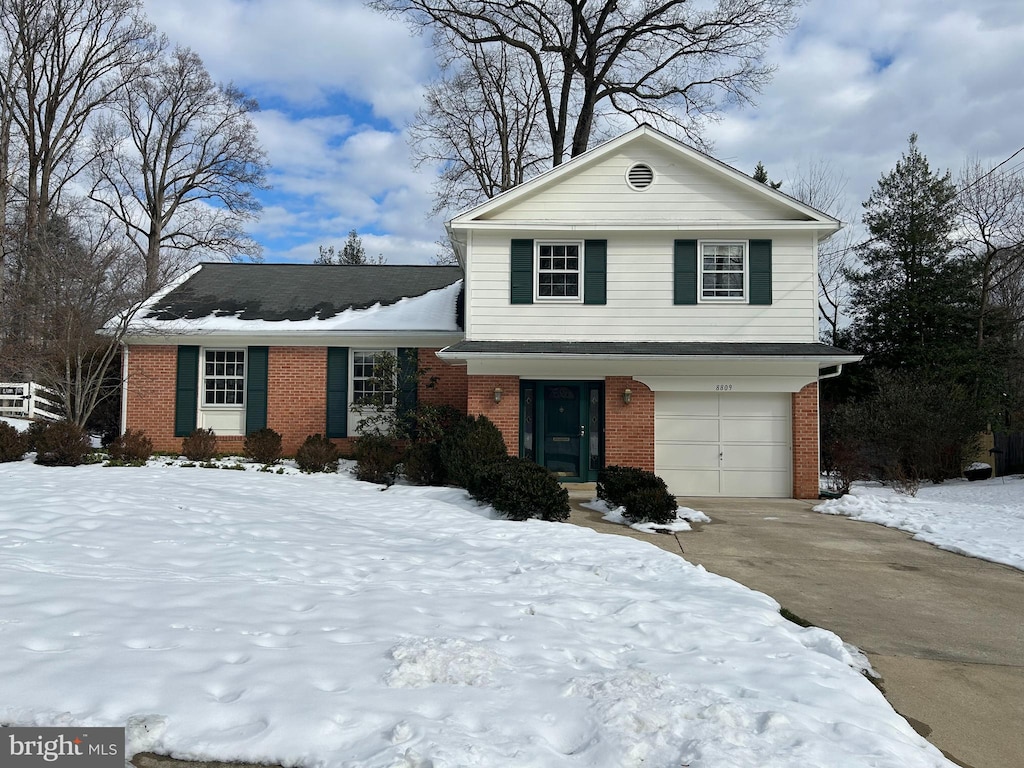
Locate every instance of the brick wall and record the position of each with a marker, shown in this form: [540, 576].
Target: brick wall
[296, 394]
[442, 384]
[805, 442]
[150, 394]
[628, 429]
[480, 402]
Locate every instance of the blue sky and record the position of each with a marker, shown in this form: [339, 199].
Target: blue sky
[338, 85]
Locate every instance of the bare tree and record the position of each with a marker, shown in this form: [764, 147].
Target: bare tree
[664, 61]
[351, 253]
[67, 59]
[821, 186]
[480, 127]
[990, 204]
[178, 162]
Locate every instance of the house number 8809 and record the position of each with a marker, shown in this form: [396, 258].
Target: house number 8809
[723, 387]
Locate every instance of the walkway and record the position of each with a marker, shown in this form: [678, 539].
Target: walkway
[945, 632]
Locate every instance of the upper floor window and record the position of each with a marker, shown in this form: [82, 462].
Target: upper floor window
[224, 377]
[559, 267]
[723, 271]
[370, 383]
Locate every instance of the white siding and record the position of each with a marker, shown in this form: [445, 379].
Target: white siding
[640, 294]
[683, 191]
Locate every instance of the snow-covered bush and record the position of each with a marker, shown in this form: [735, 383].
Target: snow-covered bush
[13, 444]
[521, 489]
[263, 446]
[62, 444]
[317, 454]
[133, 447]
[201, 445]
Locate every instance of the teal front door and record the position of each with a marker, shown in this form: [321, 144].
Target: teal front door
[561, 427]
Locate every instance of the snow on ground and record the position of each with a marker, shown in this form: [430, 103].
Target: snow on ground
[20, 424]
[983, 519]
[684, 516]
[319, 621]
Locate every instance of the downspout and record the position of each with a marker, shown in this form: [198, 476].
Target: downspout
[124, 387]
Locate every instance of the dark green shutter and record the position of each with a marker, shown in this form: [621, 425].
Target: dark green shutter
[595, 271]
[337, 392]
[522, 272]
[186, 391]
[684, 272]
[256, 368]
[760, 271]
[408, 365]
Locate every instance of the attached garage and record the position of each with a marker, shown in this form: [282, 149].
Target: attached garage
[724, 444]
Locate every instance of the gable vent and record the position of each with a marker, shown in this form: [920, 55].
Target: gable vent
[640, 176]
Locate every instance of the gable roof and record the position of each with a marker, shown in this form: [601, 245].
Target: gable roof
[793, 210]
[289, 297]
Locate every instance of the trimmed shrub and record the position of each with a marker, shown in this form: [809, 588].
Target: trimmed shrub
[426, 427]
[650, 504]
[644, 495]
[13, 444]
[35, 429]
[317, 454]
[62, 444]
[614, 482]
[133, 447]
[422, 464]
[521, 489]
[201, 445]
[472, 444]
[377, 458]
[263, 446]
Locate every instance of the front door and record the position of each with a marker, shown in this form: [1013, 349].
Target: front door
[561, 427]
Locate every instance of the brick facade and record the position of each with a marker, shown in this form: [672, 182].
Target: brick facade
[628, 428]
[296, 394]
[805, 442]
[505, 414]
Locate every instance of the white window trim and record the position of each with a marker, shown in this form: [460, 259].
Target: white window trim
[701, 298]
[356, 412]
[202, 382]
[578, 299]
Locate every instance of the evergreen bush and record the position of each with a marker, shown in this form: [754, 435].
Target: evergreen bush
[426, 427]
[472, 443]
[317, 454]
[62, 444]
[133, 447]
[201, 445]
[13, 444]
[35, 429]
[644, 495]
[422, 464]
[520, 490]
[263, 446]
[377, 458]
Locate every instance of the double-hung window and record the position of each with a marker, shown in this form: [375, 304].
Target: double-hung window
[368, 384]
[723, 271]
[224, 377]
[559, 270]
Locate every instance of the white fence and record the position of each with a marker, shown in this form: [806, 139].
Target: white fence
[28, 400]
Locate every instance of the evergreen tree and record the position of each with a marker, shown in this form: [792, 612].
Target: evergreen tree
[761, 174]
[912, 303]
[353, 252]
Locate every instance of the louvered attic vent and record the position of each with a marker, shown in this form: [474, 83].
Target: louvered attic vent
[640, 176]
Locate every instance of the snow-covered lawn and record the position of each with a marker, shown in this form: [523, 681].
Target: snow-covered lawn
[984, 519]
[318, 621]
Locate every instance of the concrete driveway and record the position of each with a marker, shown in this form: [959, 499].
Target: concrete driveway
[946, 632]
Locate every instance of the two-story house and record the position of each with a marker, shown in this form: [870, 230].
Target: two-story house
[641, 304]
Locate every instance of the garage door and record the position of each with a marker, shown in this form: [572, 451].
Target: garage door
[729, 444]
